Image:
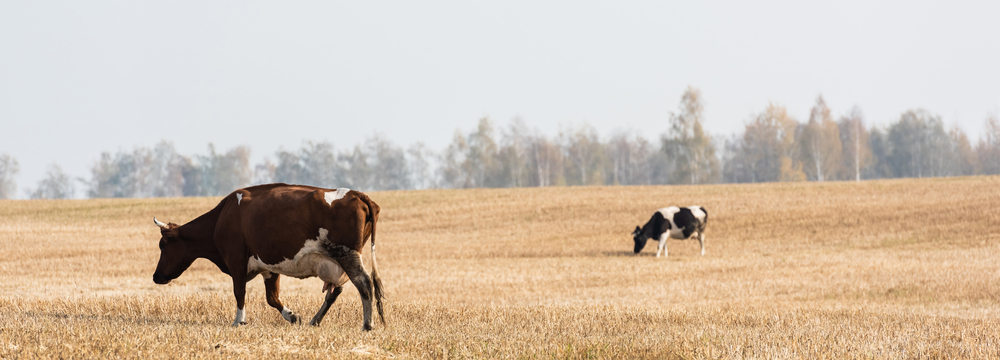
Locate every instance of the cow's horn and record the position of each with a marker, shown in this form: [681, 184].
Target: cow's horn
[160, 224]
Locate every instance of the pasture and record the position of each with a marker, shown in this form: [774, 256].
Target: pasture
[877, 269]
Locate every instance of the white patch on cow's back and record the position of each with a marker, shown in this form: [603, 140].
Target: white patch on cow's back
[668, 212]
[239, 198]
[696, 211]
[307, 262]
[336, 195]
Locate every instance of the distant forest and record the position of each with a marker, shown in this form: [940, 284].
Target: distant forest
[772, 146]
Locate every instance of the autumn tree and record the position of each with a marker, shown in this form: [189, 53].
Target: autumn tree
[819, 145]
[965, 160]
[472, 161]
[688, 147]
[768, 147]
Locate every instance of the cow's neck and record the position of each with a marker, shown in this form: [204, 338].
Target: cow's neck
[200, 234]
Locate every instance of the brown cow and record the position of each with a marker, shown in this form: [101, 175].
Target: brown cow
[279, 229]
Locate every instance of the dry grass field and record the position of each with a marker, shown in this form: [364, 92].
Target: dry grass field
[879, 269]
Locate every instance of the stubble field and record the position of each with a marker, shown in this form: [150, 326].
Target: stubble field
[878, 269]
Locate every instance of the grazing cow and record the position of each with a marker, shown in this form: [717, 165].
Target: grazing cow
[278, 229]
[672, 222]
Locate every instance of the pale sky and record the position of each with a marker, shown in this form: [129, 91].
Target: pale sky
[78, 78]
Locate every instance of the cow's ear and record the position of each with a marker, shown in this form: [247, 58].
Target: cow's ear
[167, 231]
[636, 231]
[170, 233]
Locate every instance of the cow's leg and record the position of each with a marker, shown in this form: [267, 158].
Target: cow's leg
[331, 296]
[701, 240]
[238, 270]
[662, 246]
[272, 289]
[240, 291]
[350, 261]
[333, 275]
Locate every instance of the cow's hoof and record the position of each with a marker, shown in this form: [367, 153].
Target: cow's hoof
[367, 327]
[294, 319]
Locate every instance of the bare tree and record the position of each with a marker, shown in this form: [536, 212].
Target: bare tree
[387, 163]
[194, 178]
[854, 142]
[881, 168]
[56, 185]
[584, 155]
[264, 173]
[167, 171]
[418, 160]
[320, 166]
[357, 168]
[122, 174]
[453, 159]
[919, 146]
[482, 156]
[223, 173]
[630, 156]
[8, 169]
[546, 161]
[515, 147]
[289, 168]
[965, 160]
[735, 161]
[988, 148]
[472, 161]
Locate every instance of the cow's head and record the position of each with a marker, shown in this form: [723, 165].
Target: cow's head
[639, 238]
[175, 257]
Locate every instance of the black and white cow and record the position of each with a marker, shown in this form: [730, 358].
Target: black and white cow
[672, 222]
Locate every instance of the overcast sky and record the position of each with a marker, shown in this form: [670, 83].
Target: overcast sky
[78, 78]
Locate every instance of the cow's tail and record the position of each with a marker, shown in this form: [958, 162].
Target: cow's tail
[373, 210]
[704, 222]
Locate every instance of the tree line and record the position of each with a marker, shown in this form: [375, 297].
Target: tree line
[773, 146]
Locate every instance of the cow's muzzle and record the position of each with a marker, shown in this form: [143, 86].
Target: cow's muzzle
[160, 279]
